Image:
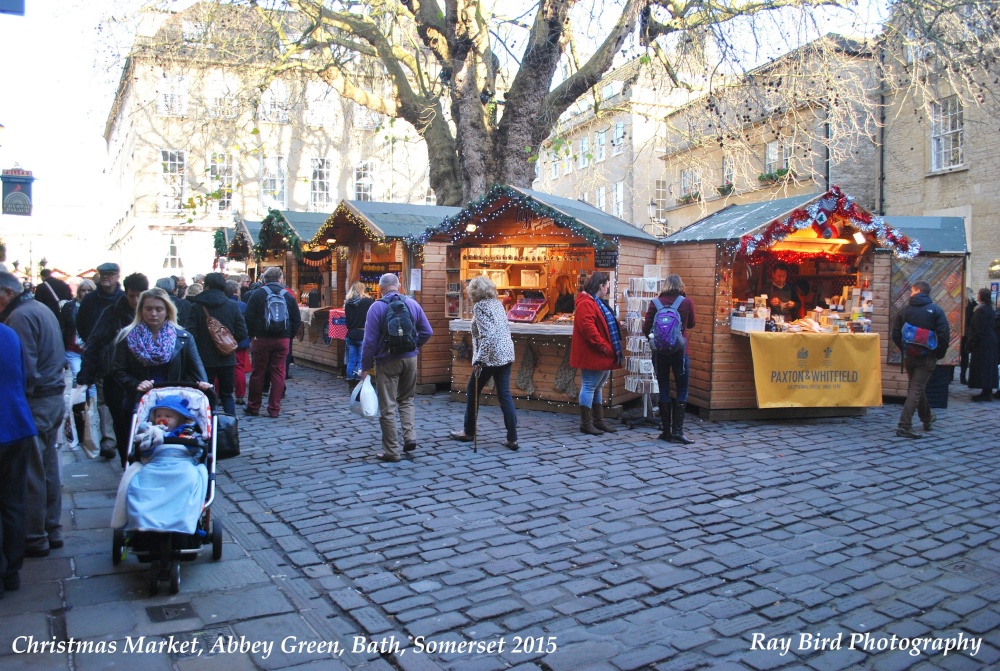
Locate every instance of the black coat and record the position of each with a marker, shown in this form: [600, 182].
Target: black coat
[256, 307]
[983, 349]
[60, 291]
[355, 313]
[99, 354]
[184, 365]
[91, 308]
[228, 313]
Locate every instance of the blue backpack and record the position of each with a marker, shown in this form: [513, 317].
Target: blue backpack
[667, 334]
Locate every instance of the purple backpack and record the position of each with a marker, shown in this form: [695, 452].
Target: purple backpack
[667, 334]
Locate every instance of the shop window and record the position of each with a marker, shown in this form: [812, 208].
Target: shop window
[364, 184]
[618, 141]
[319, 185]
[220, 174]
[599, 145]
[172, 194]
[618, 200]
[272, 183]
[173, 99]
[947, 128]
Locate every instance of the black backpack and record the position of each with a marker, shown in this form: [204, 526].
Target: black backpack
[400, 330]
[275, 313]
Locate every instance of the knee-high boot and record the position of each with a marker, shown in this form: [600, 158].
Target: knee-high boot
[666, 420]
[587, 422]
[677, 425]
[599, 422]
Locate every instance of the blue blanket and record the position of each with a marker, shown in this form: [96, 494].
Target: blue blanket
[168, 492]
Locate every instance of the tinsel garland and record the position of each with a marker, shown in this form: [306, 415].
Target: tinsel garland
[566, 378]
[834, 203]
[474, 211]
[220, 243]
[526, 371]
[274, 224]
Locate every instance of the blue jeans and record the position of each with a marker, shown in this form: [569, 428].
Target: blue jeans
[353, 358]
[501, 378]
[680, 365]
[591, 382]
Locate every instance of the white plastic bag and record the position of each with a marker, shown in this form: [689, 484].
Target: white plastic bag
[86, 421]
[364, 400]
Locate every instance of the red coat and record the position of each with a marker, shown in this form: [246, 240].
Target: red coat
[591, 347]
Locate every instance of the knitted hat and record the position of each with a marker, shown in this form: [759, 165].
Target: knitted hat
[176, 403]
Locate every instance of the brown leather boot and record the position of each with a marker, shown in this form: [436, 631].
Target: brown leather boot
[599, 422]
[666, 420]
[587, 422]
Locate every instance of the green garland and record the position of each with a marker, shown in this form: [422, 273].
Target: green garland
[274, 224]
[220, 243]
[473, 210]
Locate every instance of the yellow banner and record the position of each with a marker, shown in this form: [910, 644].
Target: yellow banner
[817, 370]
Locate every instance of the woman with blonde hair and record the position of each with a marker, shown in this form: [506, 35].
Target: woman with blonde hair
[356, 306]
[566, 301]
[492, 357]
[153, 348]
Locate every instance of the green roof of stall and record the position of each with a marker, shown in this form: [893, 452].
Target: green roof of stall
[938, 235]
[306, 224]
[735, 221]
[400, 220]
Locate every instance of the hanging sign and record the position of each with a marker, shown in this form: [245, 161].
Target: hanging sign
[397, 251]
[17, 191]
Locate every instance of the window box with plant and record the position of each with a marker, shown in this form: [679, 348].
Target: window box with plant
[725, 189]
[689, 198]
[779, 175]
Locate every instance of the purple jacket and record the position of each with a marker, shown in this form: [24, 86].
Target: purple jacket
[374, 349]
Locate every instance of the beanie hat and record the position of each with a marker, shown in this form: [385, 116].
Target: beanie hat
[176, 403]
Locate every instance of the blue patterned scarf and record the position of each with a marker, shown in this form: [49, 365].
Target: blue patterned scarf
[149, 350]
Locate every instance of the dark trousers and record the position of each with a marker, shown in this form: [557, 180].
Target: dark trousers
[223, 377]
[121, 408]
[13, 476]
[501, 378]
[680, 365]
[269, 355]
[919, 372]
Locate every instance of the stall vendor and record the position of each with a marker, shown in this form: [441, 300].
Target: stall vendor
[779, 294]
[566, 301]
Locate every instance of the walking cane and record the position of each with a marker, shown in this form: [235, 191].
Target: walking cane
[475, 411]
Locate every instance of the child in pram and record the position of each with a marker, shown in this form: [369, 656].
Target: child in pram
[164, 490]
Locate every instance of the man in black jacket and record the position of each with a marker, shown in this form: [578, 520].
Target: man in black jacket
[922, 313]
[51, 291]
[107, 294]
[269, 347]
[95, 368]
[215, 303]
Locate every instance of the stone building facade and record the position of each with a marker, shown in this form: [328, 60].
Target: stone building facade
[193, 139]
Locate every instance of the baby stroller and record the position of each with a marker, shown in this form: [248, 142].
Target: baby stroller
[168, 519]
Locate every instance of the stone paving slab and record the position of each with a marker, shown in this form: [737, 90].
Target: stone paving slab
[622, 552]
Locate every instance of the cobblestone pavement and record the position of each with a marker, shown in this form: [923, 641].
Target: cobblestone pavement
[575, 553]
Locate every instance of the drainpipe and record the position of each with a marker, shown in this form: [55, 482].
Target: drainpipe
[880, 178]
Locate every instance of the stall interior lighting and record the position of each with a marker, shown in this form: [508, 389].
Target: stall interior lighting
[470, 228]
[819, 241]
[860, 238]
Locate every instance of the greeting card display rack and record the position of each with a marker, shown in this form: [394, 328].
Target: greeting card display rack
[640, 374]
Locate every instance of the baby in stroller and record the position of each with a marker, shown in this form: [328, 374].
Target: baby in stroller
[165, 488]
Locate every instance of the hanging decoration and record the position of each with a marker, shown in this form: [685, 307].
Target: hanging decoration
[526, 370]
[220, 243]
[276, 234]
[328, 229]
[239, 248]
[317, 259]
[797, 258]
[835, 205]
[495, 204]
[566, 378]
